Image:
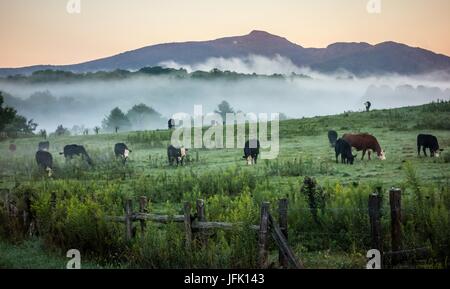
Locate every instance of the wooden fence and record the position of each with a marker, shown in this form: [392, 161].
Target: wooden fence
[397, 254]
[266, 228]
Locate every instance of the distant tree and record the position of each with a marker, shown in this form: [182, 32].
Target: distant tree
[143, 117]
[12, 123]
[116, 119]
[43, 133]
[223, 108]
[60, 130]
[7, 114]
[283, 116]
[77, 130]
[21, 125]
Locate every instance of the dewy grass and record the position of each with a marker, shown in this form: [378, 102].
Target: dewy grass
[335, 233]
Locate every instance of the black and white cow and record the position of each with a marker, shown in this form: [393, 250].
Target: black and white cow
[251, 151]
[44, 159]
[121, 150]
[332, 137]
[344, 149]
[427, 141]
[76, 150]
[44, 146]
[176, 155]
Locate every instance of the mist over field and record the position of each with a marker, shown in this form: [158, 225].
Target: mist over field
[88, 102]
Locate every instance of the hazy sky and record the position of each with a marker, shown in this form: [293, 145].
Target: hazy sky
[42, 32]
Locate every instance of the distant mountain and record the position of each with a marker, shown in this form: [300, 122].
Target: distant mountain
[357, 58]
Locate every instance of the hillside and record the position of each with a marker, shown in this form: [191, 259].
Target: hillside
[336, 236]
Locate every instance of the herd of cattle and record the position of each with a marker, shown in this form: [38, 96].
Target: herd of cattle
[342, 146]
[368, 143]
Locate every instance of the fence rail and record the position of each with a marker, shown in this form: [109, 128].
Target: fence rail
[267, 227]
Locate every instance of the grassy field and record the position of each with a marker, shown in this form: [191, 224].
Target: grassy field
[233, 191]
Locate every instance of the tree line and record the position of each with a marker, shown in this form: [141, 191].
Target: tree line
[12, 124]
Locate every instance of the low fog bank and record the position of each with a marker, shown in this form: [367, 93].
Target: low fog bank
[87, 102]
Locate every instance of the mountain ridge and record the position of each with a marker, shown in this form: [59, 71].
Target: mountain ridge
[358, 58]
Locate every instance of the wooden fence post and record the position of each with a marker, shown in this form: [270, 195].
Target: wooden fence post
[283, 221]
[128, 219]
[27, 212]
[263, 235]
[375, 222]
[395, 197]
[188, 224]
[201, 218]
[53, 200]
[143, 209]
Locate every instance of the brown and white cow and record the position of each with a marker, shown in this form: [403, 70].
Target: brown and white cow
[365, 142]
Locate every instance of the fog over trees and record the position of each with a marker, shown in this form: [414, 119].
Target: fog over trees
[150, 96]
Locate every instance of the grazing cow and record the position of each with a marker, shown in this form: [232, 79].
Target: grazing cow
[251, 151]
[44, 146]
[426, 141]
[76, 150]
[332, 137]
[176, 155]
[12, 148]
[344, 149]
[121, 150]
[365, 142]
[44, 160]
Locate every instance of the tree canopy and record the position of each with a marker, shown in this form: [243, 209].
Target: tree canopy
[12, 123]
[223, 108]
[116, 120]
[143, 117]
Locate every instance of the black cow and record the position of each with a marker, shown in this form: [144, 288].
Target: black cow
[171, 123]
[121, 150]
[76, 150]
[44, 160]
[368, 105]
[427, 141]
[44, 146]
[344, 149]
[176, 155]
[251, 151]
[332, 137]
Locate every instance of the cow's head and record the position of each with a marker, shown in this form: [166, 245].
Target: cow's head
[352, 159]
[249, 160]
[49, 171]
[183, 153]
[436, 153]
[126, 153]
[382, 156]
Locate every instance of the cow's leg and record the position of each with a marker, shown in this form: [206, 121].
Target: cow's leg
[337, 156]
[256, 159]
[363, 154]
[418, 150]
[425, 151]
[368, 154]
